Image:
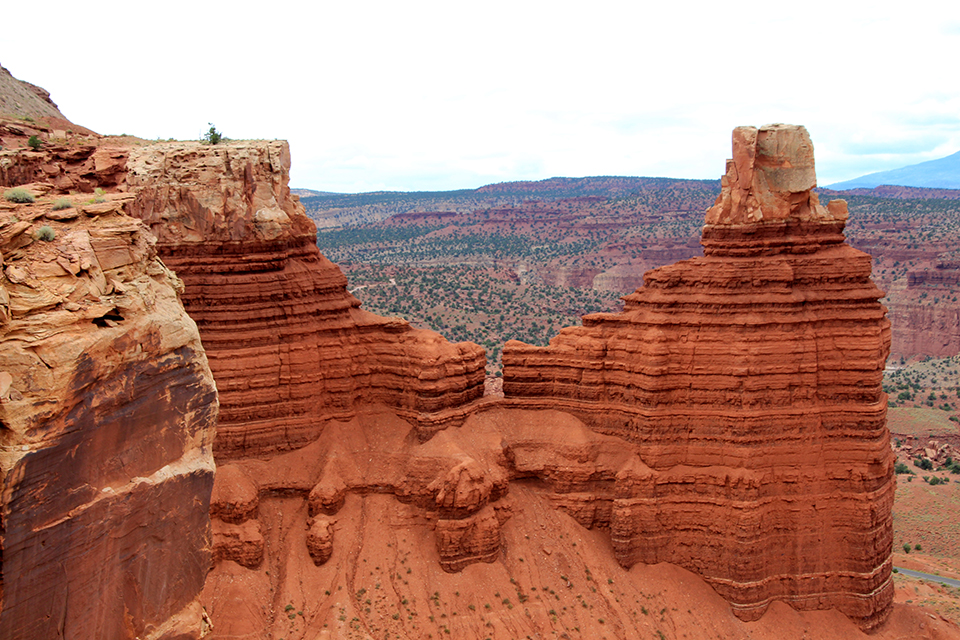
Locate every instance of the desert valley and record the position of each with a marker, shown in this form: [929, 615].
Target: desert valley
[605, 407]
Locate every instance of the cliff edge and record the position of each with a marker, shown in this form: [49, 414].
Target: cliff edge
[290, 348]
[107, 419]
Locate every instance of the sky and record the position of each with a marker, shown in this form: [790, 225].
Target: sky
[446, 95]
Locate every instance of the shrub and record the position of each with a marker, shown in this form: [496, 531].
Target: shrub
[901, 468]
[906, 547]
[18, 195]
[61, 204]
[917, 547]
[212, 136]
[34, 142]
[97, 196]
[45, 233]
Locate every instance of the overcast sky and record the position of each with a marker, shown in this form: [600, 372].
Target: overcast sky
[443, 95]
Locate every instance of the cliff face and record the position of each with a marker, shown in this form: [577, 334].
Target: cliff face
[925, 319]
[107, 417]
[729, 421]
[290, 349]
[749, 382]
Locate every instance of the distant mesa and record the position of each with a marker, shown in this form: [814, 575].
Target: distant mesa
[942, 173]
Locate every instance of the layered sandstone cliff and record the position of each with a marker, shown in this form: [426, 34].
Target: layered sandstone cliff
[730, 420]
[288, 345]
[924, 315]
[749, 382]
[107, 418]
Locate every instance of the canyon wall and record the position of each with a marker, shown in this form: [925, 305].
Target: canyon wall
[925, 315]
[288, 345]
[729, 421]
[749, 381]
[107, 419]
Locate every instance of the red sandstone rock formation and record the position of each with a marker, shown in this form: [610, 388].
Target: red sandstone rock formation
[107, 416]
[289, 347]
[729, 420]
[749, 381]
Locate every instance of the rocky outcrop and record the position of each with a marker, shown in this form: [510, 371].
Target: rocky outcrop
[289, 347]
[107, 416]
[320, 539]
[66, 161]
[749, 381]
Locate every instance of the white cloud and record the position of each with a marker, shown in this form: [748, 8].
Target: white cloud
[440, 95]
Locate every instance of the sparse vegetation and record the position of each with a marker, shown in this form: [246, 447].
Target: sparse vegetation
[34, 142]
[61, 204]
[97, 196]
[46, 233]
[18, 195]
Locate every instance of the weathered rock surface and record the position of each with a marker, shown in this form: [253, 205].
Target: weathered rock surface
[540, 541]
[749, 381]
[108, 410]
[67, 164]
[924, 319]
[320, 539]
[729, 421]
[241, 543]
[290, 349]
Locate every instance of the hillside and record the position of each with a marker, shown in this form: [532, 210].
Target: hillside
[27, 102]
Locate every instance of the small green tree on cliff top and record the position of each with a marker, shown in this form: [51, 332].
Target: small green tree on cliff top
[212, 136]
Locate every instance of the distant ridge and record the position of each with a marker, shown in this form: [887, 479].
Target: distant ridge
[310, 193]
[943, 173]
[894, 192]
[594, 185]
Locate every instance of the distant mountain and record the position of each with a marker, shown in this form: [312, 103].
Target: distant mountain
[310, 193]
[943, 173]
[895, 192]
